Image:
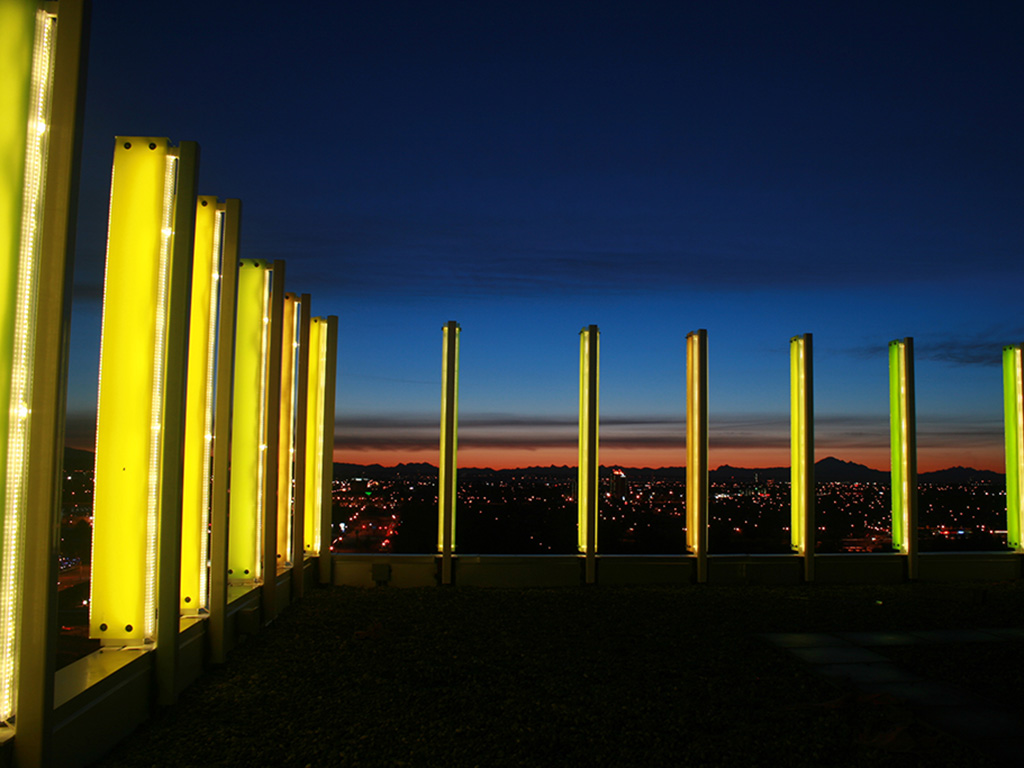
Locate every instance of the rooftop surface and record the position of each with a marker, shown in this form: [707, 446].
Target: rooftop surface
[715, 675]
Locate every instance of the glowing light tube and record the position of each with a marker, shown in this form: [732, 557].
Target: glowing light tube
[248, 453]
[1013, 415]
[129, 424]
[801, 383]
[286, 430]
[903, 444]
[448, 464]
[202, 342]
[26, 75]
[586, 526]
[314, 434]
[697, 449]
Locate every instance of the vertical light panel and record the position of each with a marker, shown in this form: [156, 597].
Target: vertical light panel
[129, 423]
[202, 343]
[60, 135]
[587, 501]
[314, 434]
[801, 443]
[1013, 416]
[26, 72]
[329, 362]
[903, 455]
[448, 463]
[286, 430]
[248, 453]
[697, 449]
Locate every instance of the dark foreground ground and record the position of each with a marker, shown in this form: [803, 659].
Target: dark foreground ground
[591, 677]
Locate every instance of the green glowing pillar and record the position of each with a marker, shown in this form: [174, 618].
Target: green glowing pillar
[801, 443]
[590, 342]
[1013, 415]
[449, 448]
[697, 449]
[903, 458]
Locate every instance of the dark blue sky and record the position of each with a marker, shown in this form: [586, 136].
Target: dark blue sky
[756, 169]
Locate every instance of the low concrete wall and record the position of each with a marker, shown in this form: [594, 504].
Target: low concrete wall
[385, 570]
[968, 566]
[518, 571]
[623, 570]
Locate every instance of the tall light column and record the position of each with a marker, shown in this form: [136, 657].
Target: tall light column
[202, 343]
[248, 426]
[329, 367]
[40, 132]
[903, 457]
[801, 442]
[140, 419]
[1013, 416]
[314, 417]
[286, 430]
[697, 449]
[587, 502]
[449, 448]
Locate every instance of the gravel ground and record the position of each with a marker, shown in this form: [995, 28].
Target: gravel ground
[586, 676]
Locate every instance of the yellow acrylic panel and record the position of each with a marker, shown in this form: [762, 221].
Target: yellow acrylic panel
[286, 446]
[248, 448]
[447, 466]
[314, 434]
[129, 411]
[202, 336]
[588, 440]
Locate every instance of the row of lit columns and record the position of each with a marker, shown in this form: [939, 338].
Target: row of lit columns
[216, 392]
[215, 403]
[803, 530]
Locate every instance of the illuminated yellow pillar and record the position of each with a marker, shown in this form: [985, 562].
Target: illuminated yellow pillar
[314, 459]
[39, 157]
[134, 430]
[286, 430]
[1013, 418]
[587, 503]
[697, 449]
[329, 362]
[803, 534]
[903, 459]
[222, 418]
[448, 464]
[202, 343]
[248, 424]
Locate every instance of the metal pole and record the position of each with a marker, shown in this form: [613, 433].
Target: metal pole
[219, 499]
[301, 406]
[272, 443]
[179, 293]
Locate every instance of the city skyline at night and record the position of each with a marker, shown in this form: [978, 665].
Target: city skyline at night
[527, 169]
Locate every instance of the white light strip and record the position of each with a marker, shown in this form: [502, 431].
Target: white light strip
[261, 464]
[36, 146]
[156, 424]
